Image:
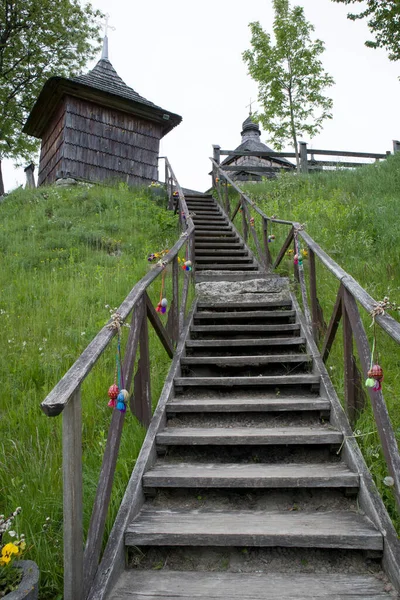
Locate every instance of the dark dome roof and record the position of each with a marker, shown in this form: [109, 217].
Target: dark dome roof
[250, 125]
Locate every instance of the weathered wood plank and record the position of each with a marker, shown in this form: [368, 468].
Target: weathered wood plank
[181, 585]
[284, 249]
[333, 326]
[248, 314]
[245, 328]
[265, 404]
[253, 528]
[257, 360]
[229, 475]
[243, 436]
[73, 498]
[158, 327]
[141, 400]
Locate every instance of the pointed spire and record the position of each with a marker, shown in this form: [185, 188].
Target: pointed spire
[104, 52]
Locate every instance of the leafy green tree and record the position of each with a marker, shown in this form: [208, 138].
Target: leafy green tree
[384, 23]
[291, 79]
[38, 39]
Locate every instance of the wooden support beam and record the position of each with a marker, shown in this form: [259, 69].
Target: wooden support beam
[303, 157]
[159, 327]
[383, 422]
[333, 326]
[141, 399]
[284, 249]
[73, 498]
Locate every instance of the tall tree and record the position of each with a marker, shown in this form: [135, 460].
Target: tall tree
[384, 23]
[291, 79]
[38, 39]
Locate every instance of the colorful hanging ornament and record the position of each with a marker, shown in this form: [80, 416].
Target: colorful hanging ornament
[271, 238]
[252, 222]
[122, 400]
[187, 265]
[298, 254]
[157, 255]
[163, 302]
[113, 392]
[375, 372]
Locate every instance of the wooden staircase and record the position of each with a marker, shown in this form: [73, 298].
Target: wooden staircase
[219, 249]
[249, 497]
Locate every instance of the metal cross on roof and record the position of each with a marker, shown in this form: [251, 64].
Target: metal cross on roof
[107, 26]
[249, 106]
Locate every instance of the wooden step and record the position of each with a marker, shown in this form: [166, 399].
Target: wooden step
[231, 266]
[243, 306]
[248, 314]
[339, 529]
[248, 436]
[236, 243]
[245, 361]
[270, 476]
[223, 260]
[230, 345]
[235, 329]
[134, 584]
[207, 252]
[233, 405]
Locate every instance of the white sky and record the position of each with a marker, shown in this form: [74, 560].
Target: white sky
[187, 57]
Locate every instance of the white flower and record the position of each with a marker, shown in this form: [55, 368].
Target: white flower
[12, 533]
[389, 481]
[83, 333]
[23, 344]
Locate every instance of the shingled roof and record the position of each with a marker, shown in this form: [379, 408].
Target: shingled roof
[103, 86]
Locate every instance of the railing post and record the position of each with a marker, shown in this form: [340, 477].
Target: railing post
[73, 498]
[303, 157]
[30, 177]
[227, 203]
[244, 222]
[268, 257]
[217, 158]
[349, 371]
[396, 146]
[141, 401]
[317, 318]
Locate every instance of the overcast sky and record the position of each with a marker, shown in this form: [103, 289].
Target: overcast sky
[187, 57]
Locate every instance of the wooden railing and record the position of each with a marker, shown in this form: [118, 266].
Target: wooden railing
[80, 564]
[306, 164]
[350, 296]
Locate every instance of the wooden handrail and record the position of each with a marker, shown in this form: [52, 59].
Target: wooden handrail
[272, 154]
[388, 324]
[349, 294]
[80, 568]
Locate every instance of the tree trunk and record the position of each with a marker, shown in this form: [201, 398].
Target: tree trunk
[294, 136]
[1, 181]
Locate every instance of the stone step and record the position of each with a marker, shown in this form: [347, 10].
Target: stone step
[336, 529]
[270, 476]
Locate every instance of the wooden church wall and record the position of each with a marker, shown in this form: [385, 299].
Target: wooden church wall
[52, 146]
[103, 144]
[93, 143]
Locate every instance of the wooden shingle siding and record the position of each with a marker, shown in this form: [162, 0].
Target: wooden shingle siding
[98, 144]
[51, 150]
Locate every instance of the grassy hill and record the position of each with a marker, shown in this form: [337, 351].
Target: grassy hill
[64, 255]
[354, 216]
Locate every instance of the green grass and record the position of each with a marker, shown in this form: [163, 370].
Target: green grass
[64, 255]
[354, 216]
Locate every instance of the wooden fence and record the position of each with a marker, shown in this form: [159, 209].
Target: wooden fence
[350, 296]
[306, 164]
[80, 565]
